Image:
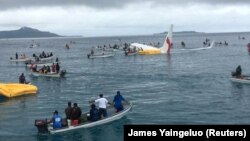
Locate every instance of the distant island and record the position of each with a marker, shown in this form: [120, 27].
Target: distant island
[181, 32]
[26, 32]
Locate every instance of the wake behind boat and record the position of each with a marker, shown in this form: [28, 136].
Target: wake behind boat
[44, 126]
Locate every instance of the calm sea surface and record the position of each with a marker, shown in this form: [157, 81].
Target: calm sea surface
[188, 87]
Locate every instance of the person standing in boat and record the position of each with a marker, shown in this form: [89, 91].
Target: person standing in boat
[118, 99]
[102, 105]
[57, 120]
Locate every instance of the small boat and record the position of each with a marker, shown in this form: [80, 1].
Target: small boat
[45, 59]
[100, 55]
[60, 74]
[44, 127]
[243, 79]
[16, 89]
[20, 60]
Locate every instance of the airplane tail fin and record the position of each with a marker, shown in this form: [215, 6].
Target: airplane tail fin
[168, 41]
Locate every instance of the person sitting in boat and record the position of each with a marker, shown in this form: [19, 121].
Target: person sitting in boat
[57, 120]
[48, 69]
[53, 67]
[22, 79]
[76, 114]
[237, 72]
[94, 113]
[68, 111]
[33, 67]
[118, 99]
[102, 105]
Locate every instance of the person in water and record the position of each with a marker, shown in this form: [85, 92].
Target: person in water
[57, 120]
[118, 99]
[22, 79]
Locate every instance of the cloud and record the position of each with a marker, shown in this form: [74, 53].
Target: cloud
[131, 17]
[106, 4]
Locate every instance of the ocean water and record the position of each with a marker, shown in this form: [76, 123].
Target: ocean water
[187, 87]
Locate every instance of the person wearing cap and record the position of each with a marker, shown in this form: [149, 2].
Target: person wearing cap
[57, 120]
[118, 99]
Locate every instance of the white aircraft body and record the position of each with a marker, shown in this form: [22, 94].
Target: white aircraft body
[146, 49]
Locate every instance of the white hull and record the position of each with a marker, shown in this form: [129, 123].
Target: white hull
[20, 60]
[112, 117]
[37, 74]
[45, 59]
[101, 56]
[197, 49]
[245, 80]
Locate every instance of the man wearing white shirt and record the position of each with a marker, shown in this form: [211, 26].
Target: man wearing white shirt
[102, 105]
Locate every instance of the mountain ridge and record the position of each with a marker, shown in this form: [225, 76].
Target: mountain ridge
[27, 32]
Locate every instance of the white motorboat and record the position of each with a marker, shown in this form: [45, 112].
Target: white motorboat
[44, 126]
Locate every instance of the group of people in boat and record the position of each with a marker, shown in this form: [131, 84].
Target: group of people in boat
[74, 114]
[42, 55]
[54, 68]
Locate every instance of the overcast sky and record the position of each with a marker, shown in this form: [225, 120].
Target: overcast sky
[125, 17]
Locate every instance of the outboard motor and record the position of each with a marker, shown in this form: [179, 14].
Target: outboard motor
[41, 125]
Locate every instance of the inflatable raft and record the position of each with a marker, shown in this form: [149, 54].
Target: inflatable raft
[16, 89]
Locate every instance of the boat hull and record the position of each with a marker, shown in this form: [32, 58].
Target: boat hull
[112, 116]
[38, 74]
[100, 56]
[244, 80]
